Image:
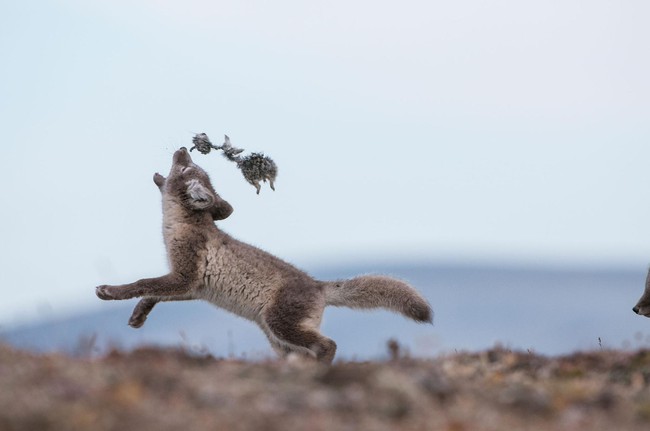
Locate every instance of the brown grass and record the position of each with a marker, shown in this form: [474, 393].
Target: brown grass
[161, 389]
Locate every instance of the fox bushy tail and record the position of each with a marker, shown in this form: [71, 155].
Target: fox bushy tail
[376, 291]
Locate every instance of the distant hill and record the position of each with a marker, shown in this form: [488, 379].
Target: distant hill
[546, 311]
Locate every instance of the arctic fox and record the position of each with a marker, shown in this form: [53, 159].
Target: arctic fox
[642, 307]
[206, 263]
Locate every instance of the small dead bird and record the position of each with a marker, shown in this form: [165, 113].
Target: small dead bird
[202, 143]
[256, 167]
[230, 152]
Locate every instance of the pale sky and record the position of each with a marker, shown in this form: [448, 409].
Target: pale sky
[464, 131]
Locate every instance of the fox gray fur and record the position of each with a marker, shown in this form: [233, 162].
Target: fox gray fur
[206, 263]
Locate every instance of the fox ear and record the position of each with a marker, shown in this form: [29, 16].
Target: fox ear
[200, 196]
[159, 180]
[221, 209]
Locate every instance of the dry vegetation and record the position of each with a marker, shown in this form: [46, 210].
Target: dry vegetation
[158, 389]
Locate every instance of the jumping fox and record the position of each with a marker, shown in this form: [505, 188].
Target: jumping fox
[206, 263]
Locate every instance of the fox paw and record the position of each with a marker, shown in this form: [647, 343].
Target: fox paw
[104, 292]
[137, 320]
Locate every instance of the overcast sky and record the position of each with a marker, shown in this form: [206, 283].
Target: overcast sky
[464, 131]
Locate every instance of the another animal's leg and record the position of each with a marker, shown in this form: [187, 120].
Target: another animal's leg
[144, 307]
[165, 286]
[292, 322]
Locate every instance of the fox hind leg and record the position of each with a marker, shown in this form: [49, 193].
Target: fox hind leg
[292, 325]
[304, 342]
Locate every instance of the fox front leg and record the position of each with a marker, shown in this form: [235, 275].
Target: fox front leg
[141, 311]
[165, 286]
[144, 307]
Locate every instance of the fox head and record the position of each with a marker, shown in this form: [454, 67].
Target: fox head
[189, 187]
[642, 307]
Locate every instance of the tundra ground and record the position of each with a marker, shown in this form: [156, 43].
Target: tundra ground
[171, 389]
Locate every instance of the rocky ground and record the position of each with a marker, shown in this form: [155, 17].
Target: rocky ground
[160, 389]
